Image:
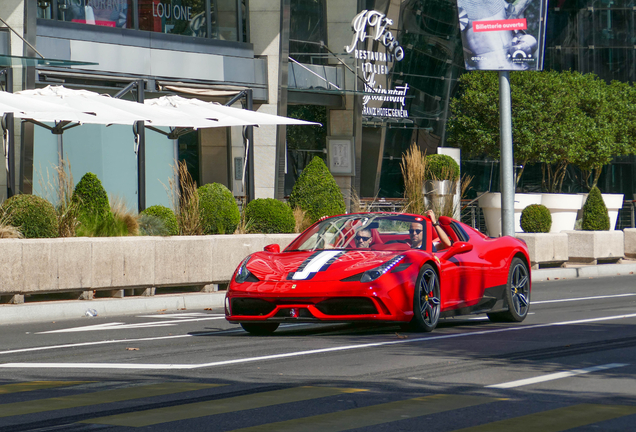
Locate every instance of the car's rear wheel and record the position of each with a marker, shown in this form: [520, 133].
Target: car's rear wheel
[426, 300]
[517, 294]
[260, 328]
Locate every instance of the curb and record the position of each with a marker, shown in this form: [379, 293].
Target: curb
[602, 270]
[74, 309]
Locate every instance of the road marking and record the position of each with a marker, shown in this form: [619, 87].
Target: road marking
[557, 420]
[582, 298]
[180, 315]
[309, 352]
[555, 376]
[373, 415]
[121, 326]
[102, 397]
[219, 406]
[36, 385]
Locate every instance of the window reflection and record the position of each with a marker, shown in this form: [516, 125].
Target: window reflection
[108, 13]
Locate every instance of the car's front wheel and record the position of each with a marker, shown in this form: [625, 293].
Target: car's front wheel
[260, 328]
[517, 294]
[426, 300]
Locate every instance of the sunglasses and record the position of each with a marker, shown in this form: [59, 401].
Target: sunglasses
[362, 239]
[416, 231]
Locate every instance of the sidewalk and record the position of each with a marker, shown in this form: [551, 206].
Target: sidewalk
[196, 302]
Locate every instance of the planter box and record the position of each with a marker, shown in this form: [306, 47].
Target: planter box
[590, 247]
[630, 242]
[563, 209]
[613, 202]
[546, 248]
[490, 204]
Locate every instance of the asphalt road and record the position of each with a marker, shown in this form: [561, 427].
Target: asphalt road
[571, 365]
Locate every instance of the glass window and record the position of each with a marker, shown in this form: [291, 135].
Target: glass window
[183, 17]
[227, 20]
[108, 13]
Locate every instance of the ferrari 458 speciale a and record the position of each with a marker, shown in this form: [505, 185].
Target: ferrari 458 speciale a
[384, 268]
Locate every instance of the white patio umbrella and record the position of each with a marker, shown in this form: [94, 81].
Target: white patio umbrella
[226, 116]
[25, 107]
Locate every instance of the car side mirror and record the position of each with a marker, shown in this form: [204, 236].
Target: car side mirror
[272, 248]
[456, 249]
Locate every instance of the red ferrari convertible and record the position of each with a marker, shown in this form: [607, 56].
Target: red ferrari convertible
[381, 267]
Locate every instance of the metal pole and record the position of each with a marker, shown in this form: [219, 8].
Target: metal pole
[507, 182]
[141, 154]
[250, 155]
[11, 144]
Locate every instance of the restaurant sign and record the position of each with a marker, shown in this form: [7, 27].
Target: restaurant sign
[371, 25]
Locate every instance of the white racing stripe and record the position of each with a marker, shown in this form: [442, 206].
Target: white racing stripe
[315, 264]
[555, 376]
[304, 353]
[582, 298]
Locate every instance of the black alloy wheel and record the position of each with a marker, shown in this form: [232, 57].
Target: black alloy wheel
[517, 294]
[426, 300]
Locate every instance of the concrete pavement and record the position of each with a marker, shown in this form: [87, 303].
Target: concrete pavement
[73, 309]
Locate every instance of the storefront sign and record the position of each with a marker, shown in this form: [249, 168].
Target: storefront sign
[497, 35]
[168, 10]
[373, 25]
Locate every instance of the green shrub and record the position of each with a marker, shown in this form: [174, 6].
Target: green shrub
[441, 167]
[536, 218]
[316, 192]
[91, 197]
[267, 215]
[34, 216]
[218, 209]
[595, 216]
[95, 226]
[165, 215]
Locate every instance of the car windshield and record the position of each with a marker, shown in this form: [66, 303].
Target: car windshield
[377, 231]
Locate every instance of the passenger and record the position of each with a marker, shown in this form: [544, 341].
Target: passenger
[363, 238]
[444, 241]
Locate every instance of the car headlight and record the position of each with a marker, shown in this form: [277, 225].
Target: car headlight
[373, 274]
[243, 274]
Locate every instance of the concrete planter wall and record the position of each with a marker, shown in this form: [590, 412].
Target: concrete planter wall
[546, 248]
[630, 242]
[592, 247]
[76, 264]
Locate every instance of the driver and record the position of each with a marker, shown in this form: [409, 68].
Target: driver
[363, 238]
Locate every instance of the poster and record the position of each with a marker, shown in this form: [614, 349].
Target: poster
[503, 35]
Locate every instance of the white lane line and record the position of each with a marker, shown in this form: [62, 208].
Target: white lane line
[116, 341]
[555, 376]
[582, 298]
[304, 353]
[179, 315]
[122, 326]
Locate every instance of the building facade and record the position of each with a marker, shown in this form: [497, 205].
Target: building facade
[377, 74]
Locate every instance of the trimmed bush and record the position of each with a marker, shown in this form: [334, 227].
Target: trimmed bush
[267, 215]
[595, 215]
[536, 218]
[91, 197]
[316, 192]
[218, 209]
[441, 167]
[165, 215]
[34, 216]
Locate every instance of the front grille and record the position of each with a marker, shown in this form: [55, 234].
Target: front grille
[347, 306]
[251, 307]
